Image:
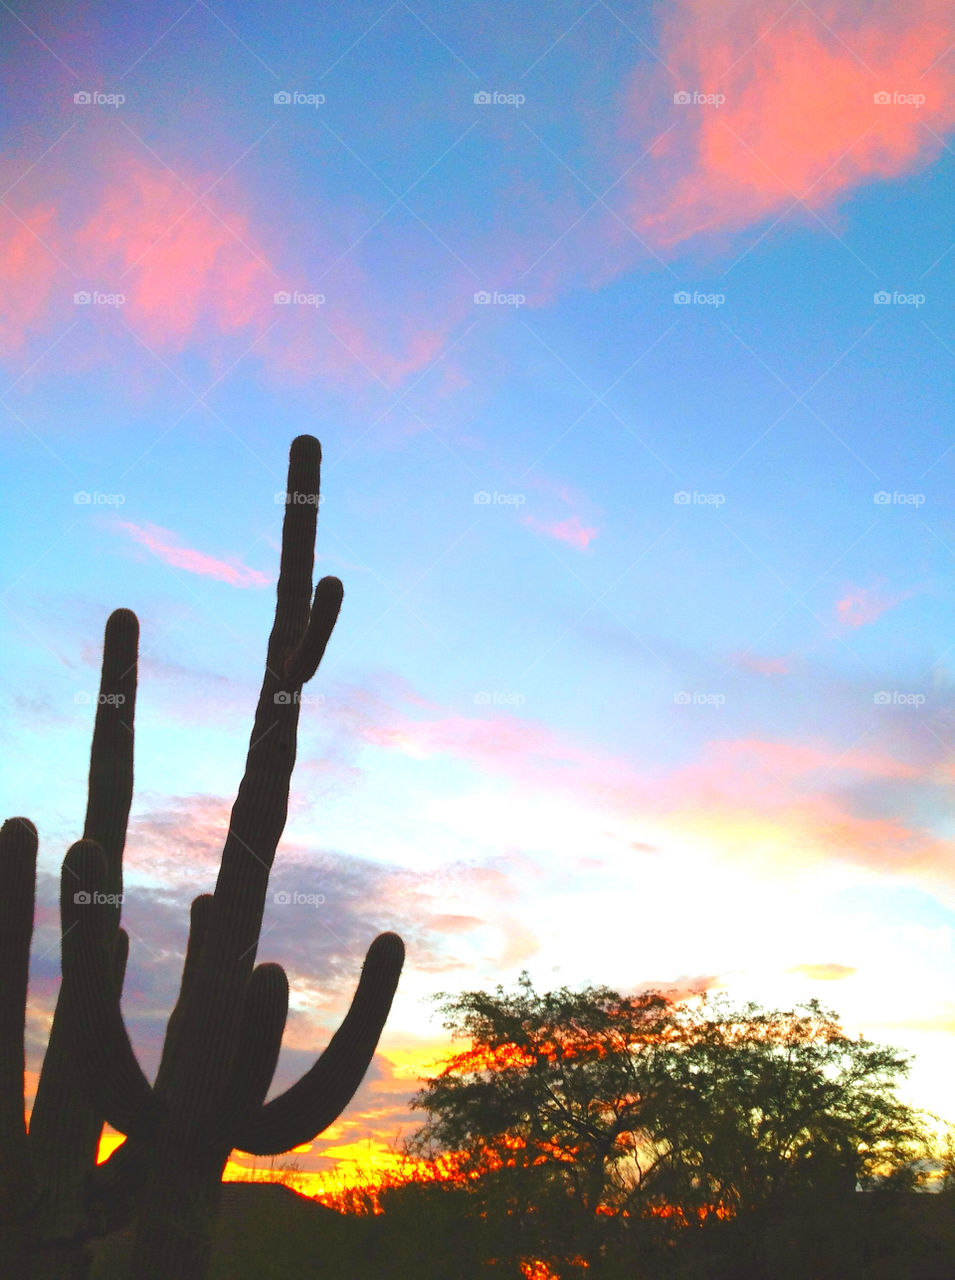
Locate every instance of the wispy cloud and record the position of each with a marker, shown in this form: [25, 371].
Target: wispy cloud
[861, 606]
[572, 530]
[166, 546]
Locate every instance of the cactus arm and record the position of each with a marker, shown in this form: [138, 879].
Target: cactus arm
[199, 915]
[113, 1079]
[260, 1039]
[261, 804]
[18, 847]
[64, 1128]
[321, 1095]
[302, 664]
[111, 756]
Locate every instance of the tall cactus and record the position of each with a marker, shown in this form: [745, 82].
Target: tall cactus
[223, 1037]
[43, 1176]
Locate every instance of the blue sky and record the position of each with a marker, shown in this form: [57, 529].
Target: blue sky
[644, 670]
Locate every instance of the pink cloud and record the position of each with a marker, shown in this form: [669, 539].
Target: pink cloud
[861, 606]
[27, 272]
[164, 544]
[789, 802]
[203, 274]
[182, 263]
[572, 531]
[799, 115]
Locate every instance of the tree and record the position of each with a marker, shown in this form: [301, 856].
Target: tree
[587, 1118]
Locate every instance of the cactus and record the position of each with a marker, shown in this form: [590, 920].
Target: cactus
[223, 1036]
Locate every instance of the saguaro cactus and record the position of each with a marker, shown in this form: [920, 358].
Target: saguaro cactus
[44, 1222]
[223, 1037]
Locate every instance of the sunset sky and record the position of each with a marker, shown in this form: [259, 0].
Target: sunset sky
[628, 335]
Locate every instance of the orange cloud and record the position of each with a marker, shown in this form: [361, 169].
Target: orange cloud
[786, 109]
[27, 272]
[571, 531]
[824, 972]
[164, 545]
[861, 606]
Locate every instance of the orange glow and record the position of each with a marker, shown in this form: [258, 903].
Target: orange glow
[534, 1269]
[108, 1142]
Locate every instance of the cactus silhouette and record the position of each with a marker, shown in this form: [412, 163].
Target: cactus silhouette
[224, 1034]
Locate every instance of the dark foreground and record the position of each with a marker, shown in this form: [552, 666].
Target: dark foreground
[268, 1232]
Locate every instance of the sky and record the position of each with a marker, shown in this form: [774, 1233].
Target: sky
[627, 333]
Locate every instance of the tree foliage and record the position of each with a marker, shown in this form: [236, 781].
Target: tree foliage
[587, 1115]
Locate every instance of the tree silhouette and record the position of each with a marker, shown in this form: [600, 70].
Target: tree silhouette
[590, 1122]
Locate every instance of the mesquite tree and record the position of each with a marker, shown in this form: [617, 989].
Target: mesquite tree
[224, 1034]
